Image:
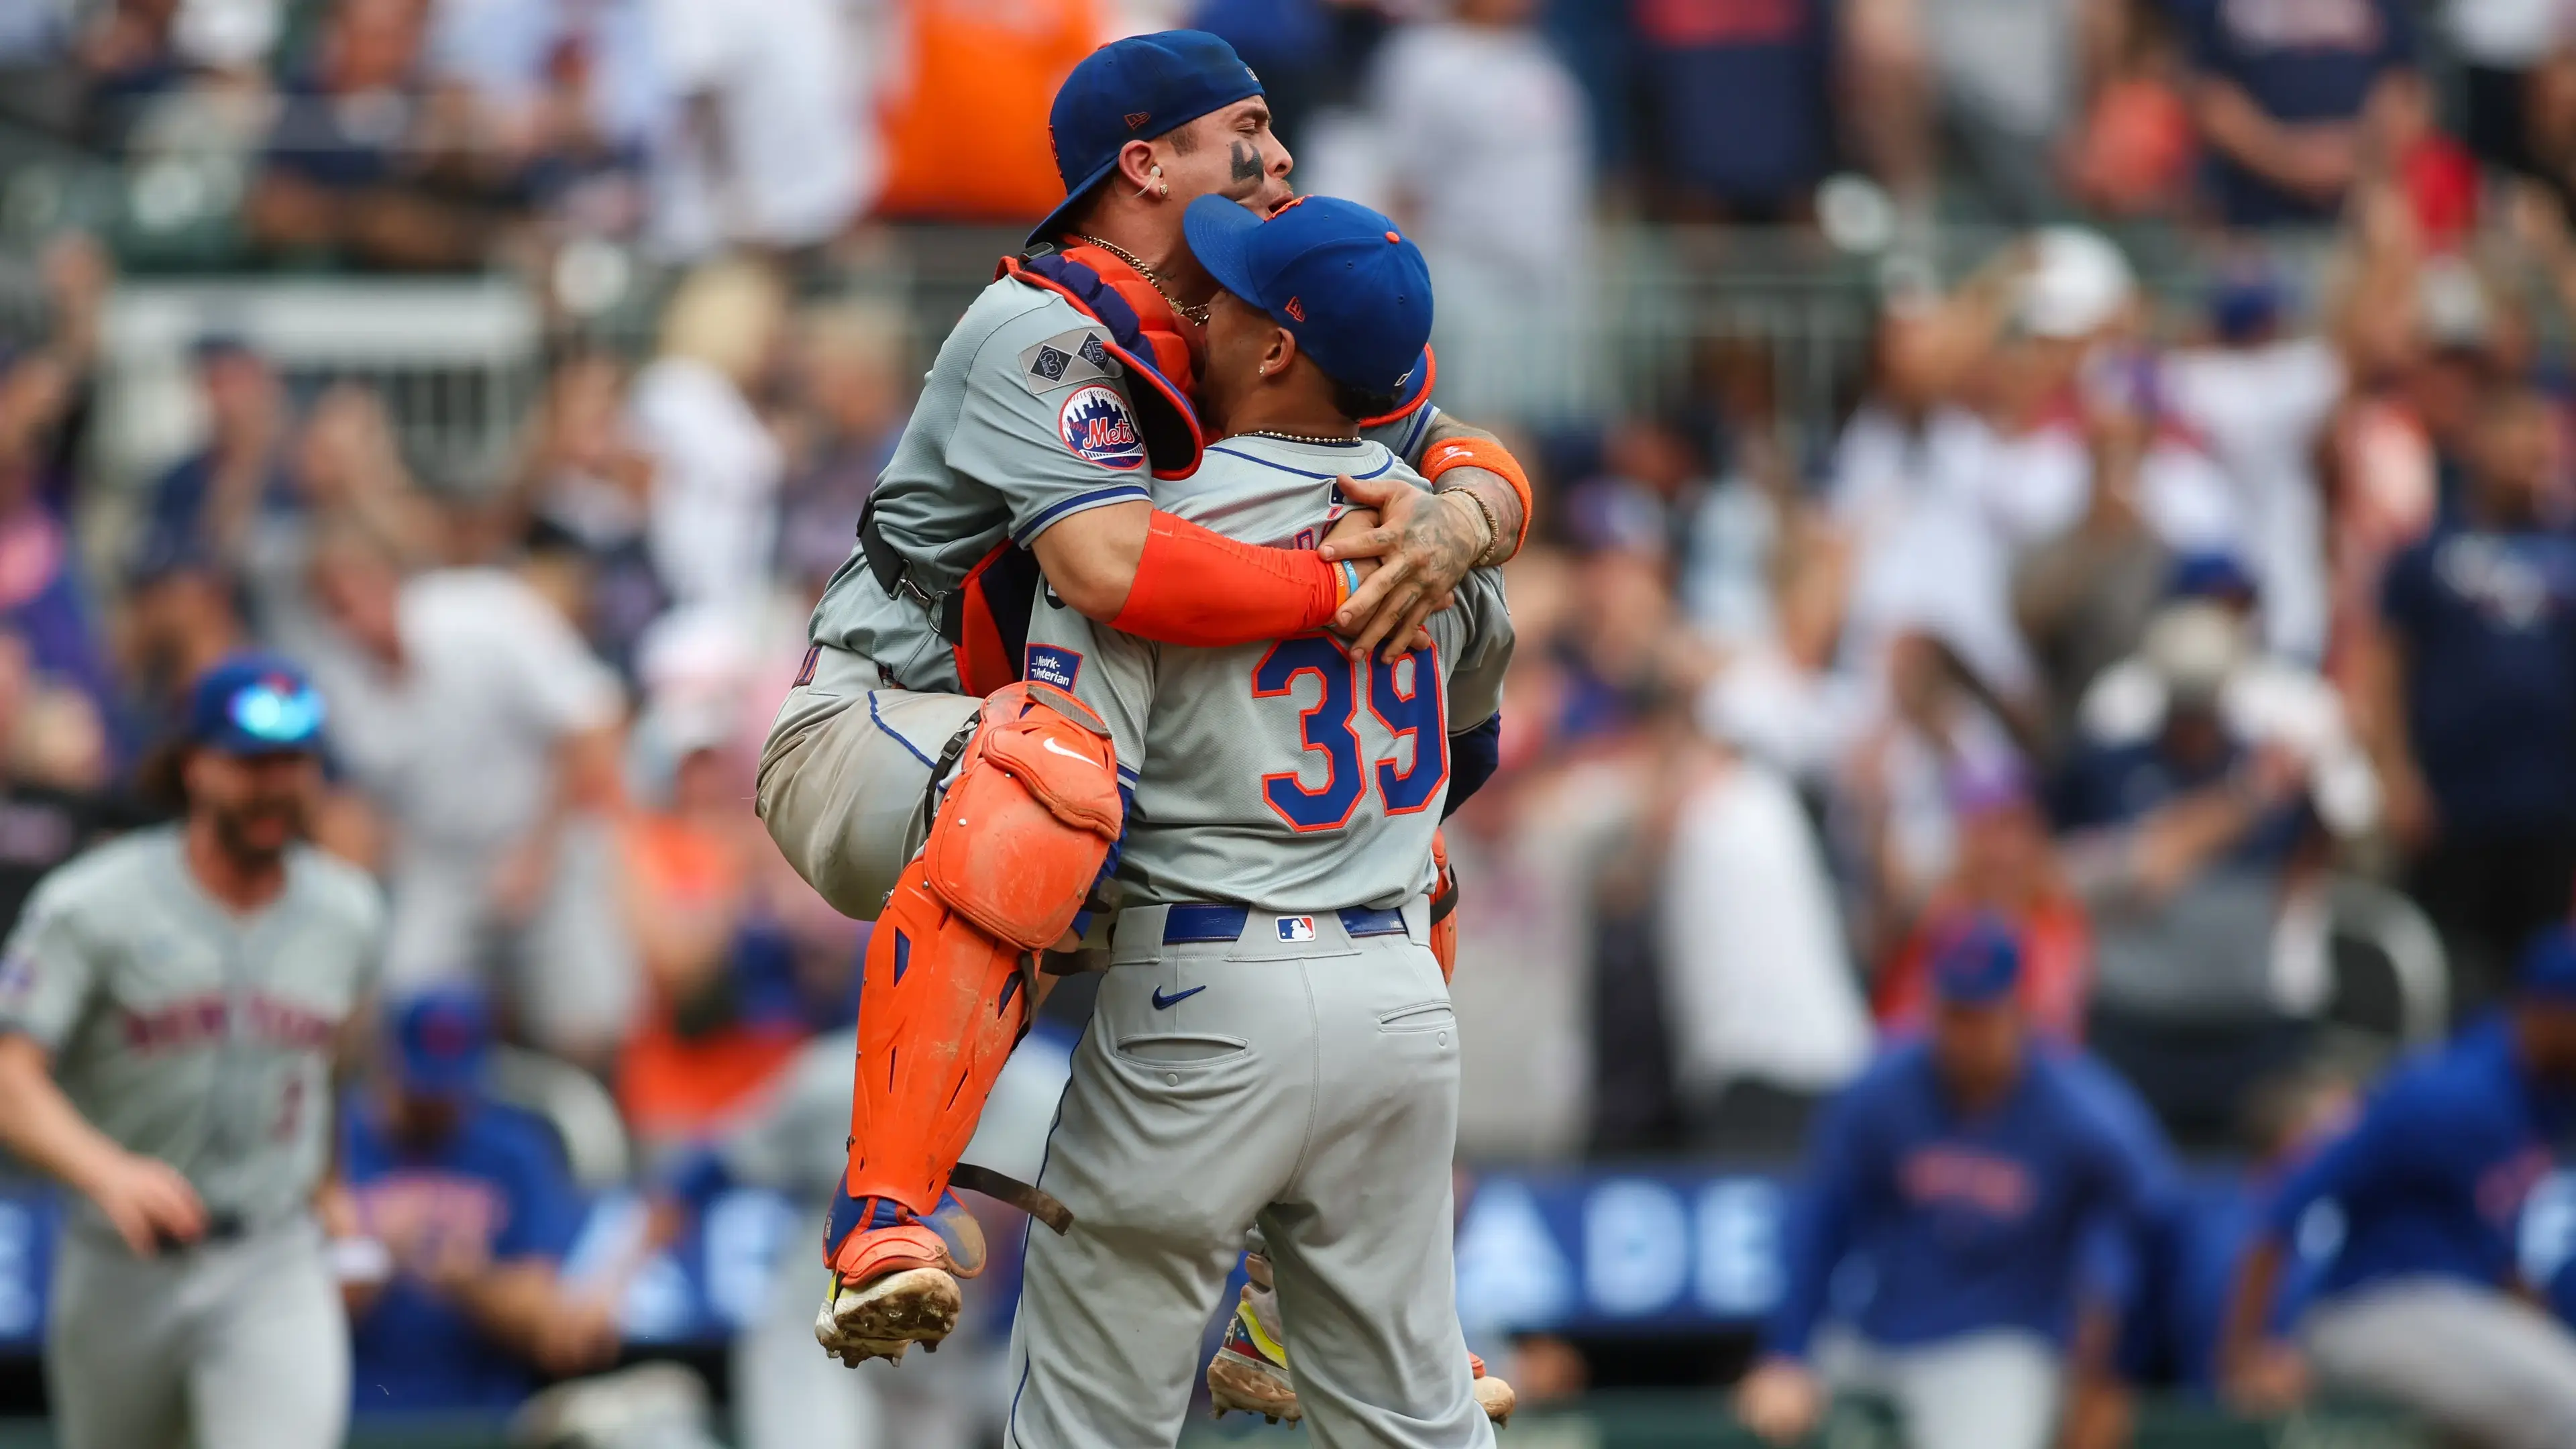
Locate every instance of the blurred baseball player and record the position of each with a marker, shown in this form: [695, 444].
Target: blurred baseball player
[2422, 1303]
[1967, 1171]
[169, 1009]
[1273, 1041]
[1061, 395]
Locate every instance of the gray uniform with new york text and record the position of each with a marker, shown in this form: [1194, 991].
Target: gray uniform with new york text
[204, 1039]
[1294, 1075]
[1025, 419]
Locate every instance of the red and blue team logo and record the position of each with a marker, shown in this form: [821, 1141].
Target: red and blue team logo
[1096, 424]
[1296, 928]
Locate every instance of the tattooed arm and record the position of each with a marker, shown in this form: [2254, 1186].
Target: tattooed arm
[1428, 542]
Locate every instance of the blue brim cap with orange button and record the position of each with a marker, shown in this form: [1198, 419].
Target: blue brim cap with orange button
[1134, 89]
[1341, 278]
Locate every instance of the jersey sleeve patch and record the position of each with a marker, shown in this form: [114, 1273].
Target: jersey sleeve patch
[1068, 359]
[1054, 664]
[1096, 425]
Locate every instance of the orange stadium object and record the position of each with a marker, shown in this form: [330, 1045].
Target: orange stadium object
[966, 140]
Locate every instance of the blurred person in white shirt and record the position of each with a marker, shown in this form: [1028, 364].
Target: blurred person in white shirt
[713, 524]
[468, 710]
[2261, 397]
[1493, 177]
[772, 145]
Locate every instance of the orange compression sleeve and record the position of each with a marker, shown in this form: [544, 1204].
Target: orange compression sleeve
[1197, 587]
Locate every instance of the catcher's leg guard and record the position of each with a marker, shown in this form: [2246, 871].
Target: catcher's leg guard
[1028, 822]
[1444, 908]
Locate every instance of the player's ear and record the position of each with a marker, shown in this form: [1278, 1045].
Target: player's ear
[1136, 165]
[1281, 354]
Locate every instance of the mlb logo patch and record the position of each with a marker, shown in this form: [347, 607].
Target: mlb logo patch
[1050, 664]
[1095, 424]
[1296, 928]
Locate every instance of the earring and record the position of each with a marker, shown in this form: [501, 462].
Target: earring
[1157, 181]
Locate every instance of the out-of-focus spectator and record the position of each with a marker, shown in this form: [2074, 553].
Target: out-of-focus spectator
[54, 800]
[467, 708]
[566, 93]
[1973, 1170]
[2009, 81]
[2470, 696]
[1939, 722]
[359, 164]
[2197, 850]
[2138, 148]
[2423, 1304]
[43, 598]
[735, 977]
[1764, 1013]
[713, 525]
[2299, 102]
[857, 376]
[179, 617]
[2007, 869]
[208, 503]
[1491, 169]
[771, 148]
[967, 108]
[2262, 399]
[2500, 45]
[473, 1208]
[588, 489]
[1740, 92]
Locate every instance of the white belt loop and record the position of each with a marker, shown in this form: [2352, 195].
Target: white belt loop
[1137, 937]
[1417, 920]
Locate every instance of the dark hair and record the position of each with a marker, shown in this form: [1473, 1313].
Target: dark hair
[1359, 404]
[161, 778]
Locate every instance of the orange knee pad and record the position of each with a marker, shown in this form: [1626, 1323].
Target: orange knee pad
[1029, 819]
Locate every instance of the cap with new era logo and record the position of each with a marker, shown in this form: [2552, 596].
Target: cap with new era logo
[1341, 278]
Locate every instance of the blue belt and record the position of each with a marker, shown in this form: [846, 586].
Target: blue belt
[1192, 923]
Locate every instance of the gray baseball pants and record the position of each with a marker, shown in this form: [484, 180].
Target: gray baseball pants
[1306, 1085]
[2473, 1361]
[1993, 1390]
[241, 1345]
[842, 776]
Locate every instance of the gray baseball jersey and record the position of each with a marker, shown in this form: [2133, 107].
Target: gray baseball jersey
[186, 1032]
[1281, 774]
[1024, 419]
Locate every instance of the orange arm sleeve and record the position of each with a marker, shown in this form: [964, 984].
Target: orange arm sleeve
[1201, 588]
[1491, 456]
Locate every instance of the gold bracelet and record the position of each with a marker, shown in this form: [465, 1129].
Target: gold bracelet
[1493, 525]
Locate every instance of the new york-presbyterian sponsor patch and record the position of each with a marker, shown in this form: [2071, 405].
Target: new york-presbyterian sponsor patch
[1069, 359]
[1096, 424]
[1053, 664]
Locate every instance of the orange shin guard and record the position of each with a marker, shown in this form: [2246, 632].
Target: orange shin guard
[1444, 908]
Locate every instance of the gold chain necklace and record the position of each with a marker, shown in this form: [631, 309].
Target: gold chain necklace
[1298, 438]
[1198, 314]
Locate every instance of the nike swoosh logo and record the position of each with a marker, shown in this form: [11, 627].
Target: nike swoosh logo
[1166, 1003]
[1052, 748]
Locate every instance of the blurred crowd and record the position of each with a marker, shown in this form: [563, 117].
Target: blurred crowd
[2209, 640]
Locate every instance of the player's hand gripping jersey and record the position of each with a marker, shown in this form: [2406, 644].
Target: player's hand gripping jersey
[1256, 769]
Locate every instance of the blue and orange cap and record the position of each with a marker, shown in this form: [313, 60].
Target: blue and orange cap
[1135, 90]
[255, 704]
[1345, 283]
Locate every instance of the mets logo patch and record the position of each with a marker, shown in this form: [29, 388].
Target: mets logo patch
[1096, 424]
[1296, 928]
[1052, 664]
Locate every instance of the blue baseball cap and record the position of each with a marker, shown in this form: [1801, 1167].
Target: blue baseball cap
[1135, 90]
[255, 704]
[442, 1038]
[2549, 967]
[1976, 962]
[1345, 283]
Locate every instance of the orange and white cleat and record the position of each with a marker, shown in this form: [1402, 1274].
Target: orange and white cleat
[895, 1284]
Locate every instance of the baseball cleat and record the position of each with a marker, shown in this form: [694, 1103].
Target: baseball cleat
[1250, 1371]
[1492, 1395]
[888, 1314]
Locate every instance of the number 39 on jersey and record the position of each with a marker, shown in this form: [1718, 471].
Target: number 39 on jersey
[1404, 700]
